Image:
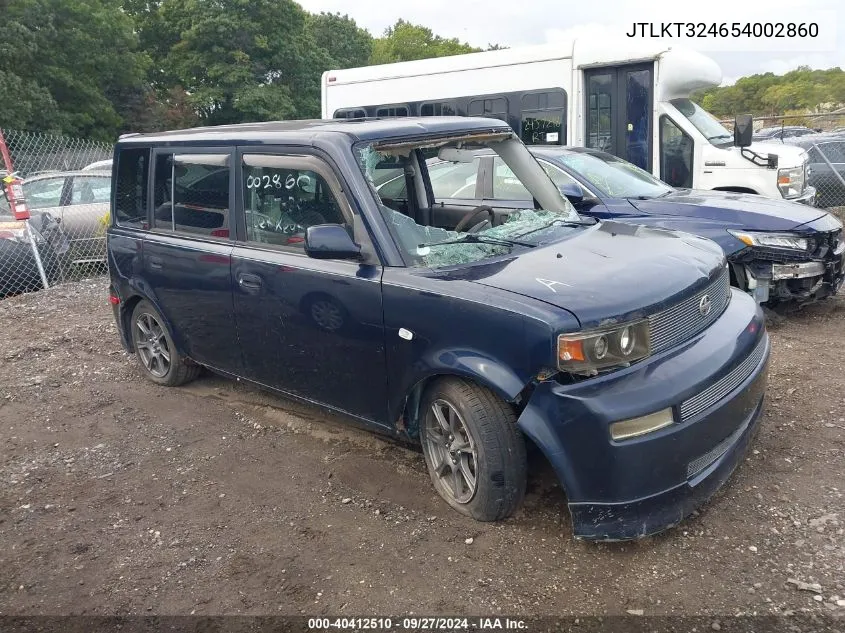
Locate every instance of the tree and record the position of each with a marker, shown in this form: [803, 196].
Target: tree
[801, 89]
[347, 44]
[405, 41]
[68, 66]
[244, 60]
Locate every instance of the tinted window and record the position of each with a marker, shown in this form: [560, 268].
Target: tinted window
[392, 111]
[675, 154]
[192, 194]
[44, 193]
[90, 190]
[453, 180]
[281, 201]
[350, 113]
[441, 108]
[131, 188]
[542, 128]
[496, 107]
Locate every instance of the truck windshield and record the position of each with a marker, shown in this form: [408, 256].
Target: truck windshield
[461, 229]
[703, 121]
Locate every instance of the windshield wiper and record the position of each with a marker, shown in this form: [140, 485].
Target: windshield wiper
[474, 238]
[725, 136]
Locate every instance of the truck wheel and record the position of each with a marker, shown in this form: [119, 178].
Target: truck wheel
[473, 449]
[155, 350]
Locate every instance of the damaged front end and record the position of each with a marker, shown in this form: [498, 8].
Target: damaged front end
[811, 270]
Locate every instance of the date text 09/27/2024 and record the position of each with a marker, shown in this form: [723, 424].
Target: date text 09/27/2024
[417, 624]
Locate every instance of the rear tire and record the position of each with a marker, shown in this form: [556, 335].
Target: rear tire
[473, 449]
[155, 351]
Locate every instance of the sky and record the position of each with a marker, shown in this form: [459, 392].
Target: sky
[526, 22]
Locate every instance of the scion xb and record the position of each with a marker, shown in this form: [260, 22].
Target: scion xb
[266, 252]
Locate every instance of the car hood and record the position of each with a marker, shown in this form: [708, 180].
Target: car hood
[608, 273]
[736, 210]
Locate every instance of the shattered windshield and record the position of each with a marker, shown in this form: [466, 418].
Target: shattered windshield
[461, 229]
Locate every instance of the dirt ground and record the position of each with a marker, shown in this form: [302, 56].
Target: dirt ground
[121, 497]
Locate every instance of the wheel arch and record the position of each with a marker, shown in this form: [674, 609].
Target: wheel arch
[509, 388]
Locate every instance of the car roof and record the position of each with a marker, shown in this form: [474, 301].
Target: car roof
[808, 140]
[303, 130]
[64, 174]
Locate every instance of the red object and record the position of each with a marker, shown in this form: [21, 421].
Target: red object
[114, 300]
[220, 232]
[14, 191]
[296, 239]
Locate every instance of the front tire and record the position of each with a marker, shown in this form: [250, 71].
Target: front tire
[473, 449]
[155, 351]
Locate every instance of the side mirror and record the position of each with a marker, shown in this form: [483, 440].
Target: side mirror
[572, 192]
[743, 130]
[330, 241]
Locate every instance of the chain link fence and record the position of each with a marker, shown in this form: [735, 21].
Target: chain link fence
[822, 136]
[65, 184]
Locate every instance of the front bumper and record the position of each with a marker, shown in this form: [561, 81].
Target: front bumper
[632, 488]
[803, 281]
[808, 197]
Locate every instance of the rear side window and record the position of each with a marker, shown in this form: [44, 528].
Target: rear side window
[90, 190]
[131, 188]
[192, 194]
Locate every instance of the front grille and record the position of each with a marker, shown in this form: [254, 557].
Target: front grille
[684, 320]
[725, 384]
[700, 463]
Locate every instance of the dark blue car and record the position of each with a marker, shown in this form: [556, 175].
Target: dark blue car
[271, 252]
[779, 251]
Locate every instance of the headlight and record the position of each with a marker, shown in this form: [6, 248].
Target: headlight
[773, 240]
[587, 353]
[791, 181]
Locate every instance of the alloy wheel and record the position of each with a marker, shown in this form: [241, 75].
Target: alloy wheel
[452, 451]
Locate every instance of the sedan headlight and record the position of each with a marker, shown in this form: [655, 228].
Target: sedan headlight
[772, 240]
[791, 181]
[587, 353]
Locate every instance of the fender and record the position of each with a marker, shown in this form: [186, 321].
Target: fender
[534, 423]
[471, 364]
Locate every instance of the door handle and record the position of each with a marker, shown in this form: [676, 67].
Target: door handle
[250, 283]
[156, 262]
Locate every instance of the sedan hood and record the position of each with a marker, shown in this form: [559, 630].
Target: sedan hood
[610, 272]
[735, 210]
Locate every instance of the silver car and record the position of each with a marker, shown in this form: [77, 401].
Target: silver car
[81, 201]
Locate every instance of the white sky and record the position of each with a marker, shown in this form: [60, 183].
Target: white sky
[524, 22]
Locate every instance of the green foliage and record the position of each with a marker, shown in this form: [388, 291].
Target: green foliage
[347, 44]
[405, 42]
[768, 94]
[68, 65]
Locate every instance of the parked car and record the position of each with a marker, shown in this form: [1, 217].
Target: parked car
[620, 351]
[778, 251]
[100, 165]
[826, 168]
[79, 200]
[19, 270]
[781, 132]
